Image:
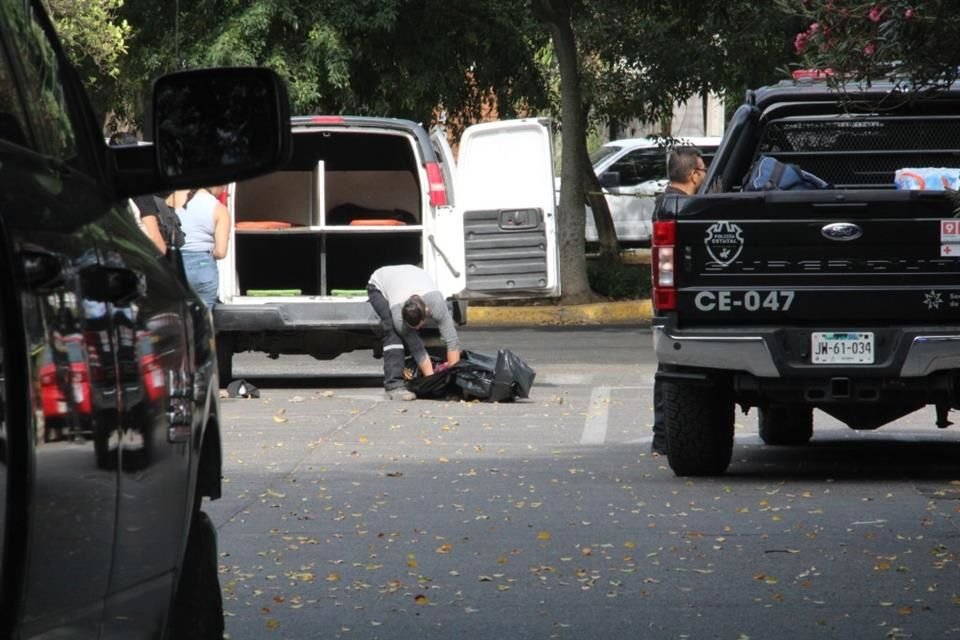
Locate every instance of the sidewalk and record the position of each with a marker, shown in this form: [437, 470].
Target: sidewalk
[621, 312]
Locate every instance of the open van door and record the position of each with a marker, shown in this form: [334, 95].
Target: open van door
[504, 186]
[443, 233]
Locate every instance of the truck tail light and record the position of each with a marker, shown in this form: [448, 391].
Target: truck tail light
[438, 190]
[663, 264]
[327, 120]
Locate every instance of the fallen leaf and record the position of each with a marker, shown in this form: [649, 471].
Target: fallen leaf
[421, 599]
[445, 548]
[543, 536]
[280, 417]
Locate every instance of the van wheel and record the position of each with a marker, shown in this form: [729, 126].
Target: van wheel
[786, 426]
[198, 605]
[224, 359]
[699, 426]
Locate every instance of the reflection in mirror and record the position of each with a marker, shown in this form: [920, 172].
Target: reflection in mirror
[218, 118]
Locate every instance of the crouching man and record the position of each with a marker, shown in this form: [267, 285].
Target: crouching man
[404, 297]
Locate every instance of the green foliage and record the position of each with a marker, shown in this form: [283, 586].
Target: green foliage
[418, 59]
[619, 281]
[853, 40]
[92, 33]
[649, 55]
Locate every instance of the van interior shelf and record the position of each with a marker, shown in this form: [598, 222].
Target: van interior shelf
[348, 229]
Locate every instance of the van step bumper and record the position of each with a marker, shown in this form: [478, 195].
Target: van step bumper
[305, 316]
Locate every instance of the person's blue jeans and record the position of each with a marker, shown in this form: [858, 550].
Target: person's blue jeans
[202, 274]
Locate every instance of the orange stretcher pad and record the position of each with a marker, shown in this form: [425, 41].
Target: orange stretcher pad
[377, 222]
[263, 224]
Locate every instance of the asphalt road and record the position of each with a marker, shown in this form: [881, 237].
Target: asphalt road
[347, 516]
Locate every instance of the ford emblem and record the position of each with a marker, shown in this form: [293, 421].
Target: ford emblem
[841, 231]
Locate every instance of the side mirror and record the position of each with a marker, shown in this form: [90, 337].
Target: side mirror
[610, 179]
[210, 127]
[220, 125]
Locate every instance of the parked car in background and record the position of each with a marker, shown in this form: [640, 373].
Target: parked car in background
[633, 172]
[107, 453]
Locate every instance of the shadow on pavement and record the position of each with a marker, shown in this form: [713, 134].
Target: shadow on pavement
[893, 456]
[338, 381]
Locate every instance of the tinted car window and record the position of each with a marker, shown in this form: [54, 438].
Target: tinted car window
[641, 165]
[52, 131]
[601, 153]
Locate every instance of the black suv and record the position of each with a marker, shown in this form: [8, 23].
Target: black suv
[109, 414]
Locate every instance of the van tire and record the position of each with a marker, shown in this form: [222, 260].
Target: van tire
[198, 605]
[224, 359]
[699, 426]
[786, 426]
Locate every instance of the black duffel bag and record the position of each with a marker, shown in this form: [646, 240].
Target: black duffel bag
[500, 378]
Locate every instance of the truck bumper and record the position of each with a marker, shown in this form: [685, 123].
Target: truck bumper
[903, 352]
[346, 315]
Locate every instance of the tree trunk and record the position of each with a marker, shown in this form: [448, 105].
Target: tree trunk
[574, 160]
[606, 233]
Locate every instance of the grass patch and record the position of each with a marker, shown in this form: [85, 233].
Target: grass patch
[619, 281]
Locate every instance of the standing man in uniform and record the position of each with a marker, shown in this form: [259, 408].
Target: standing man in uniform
[685, 170]
[404, 297]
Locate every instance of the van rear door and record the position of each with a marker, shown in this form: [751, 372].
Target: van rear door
[504, 188]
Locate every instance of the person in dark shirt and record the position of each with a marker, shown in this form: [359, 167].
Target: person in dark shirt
[157, 219]
[685, 170]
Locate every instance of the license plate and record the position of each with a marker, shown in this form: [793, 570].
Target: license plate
[855, 347]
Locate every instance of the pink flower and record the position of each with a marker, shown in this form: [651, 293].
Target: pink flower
[876, 13]
[909, 14]
[813, 28]
[800, 42]
[870, 49]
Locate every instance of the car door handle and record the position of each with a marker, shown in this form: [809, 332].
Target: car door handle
[42, 270]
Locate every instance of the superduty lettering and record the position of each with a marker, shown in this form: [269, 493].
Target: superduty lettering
[746, 300]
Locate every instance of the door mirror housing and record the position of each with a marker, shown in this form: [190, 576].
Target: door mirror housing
[210, 127]
[610, 179]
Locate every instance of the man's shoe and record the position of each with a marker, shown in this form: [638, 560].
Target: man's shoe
[400, 394]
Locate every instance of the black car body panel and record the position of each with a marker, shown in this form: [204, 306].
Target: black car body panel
[108, 382]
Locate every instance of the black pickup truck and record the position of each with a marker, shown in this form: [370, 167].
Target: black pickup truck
[844, 299]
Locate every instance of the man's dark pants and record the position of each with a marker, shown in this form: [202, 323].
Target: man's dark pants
[393, 353]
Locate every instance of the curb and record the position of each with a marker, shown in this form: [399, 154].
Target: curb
[624, 312]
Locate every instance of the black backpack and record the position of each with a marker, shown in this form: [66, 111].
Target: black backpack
[169, 223]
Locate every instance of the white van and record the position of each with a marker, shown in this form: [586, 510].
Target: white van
[361, 193]
[633, 172]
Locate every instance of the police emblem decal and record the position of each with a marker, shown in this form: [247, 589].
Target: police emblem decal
[724, 242]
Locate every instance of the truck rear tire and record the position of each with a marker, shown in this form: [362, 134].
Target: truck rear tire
[699, 426]
[224, 359]
[786, 426]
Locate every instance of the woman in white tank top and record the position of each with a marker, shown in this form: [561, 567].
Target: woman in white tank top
[206, 228]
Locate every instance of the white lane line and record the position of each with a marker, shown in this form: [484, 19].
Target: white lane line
[595, 429]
